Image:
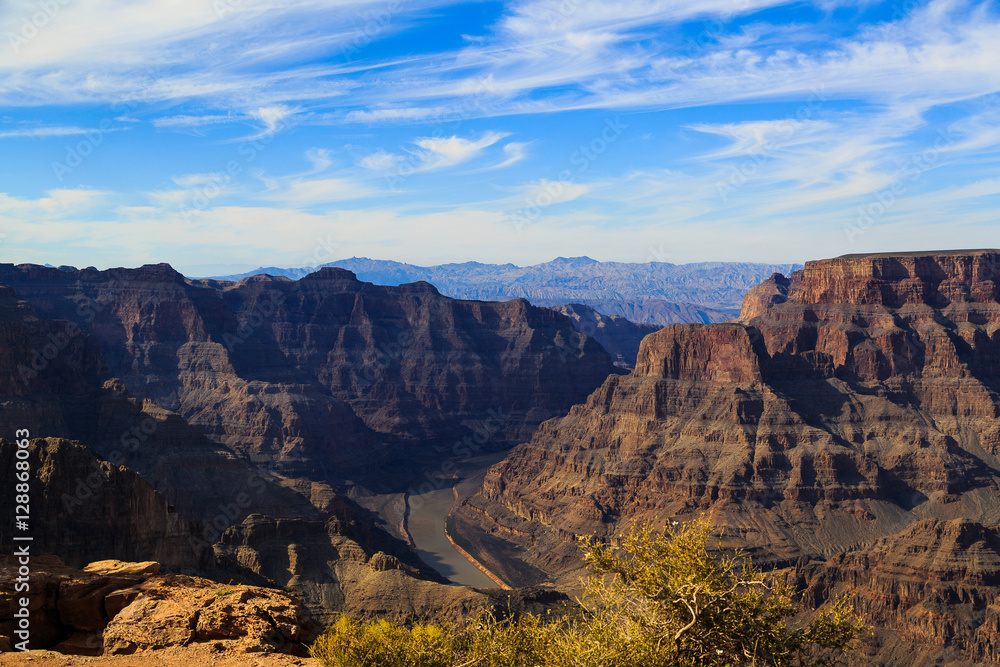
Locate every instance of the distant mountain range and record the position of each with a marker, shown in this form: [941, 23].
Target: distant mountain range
[653, 293]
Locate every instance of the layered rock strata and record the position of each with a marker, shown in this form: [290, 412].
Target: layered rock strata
[326, 376]
[54, 382]
[932, 593]
[851, 400]
[146, 485]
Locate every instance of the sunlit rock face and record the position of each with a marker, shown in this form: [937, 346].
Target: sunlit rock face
[850, 400]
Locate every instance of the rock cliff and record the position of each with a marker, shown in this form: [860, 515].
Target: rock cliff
[147, 485]
[54, 382]
[85, 509]
[326, 376]
[851, 400]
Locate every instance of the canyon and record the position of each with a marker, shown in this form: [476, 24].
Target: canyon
[842, 431]
[326, 377]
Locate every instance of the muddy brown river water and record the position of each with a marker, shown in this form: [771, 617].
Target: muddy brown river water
[428, 514]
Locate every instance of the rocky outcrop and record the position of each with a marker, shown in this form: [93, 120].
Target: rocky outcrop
[932, 592]
[849, 403]
[619, 336]
[772, 291]
[896, 279]
[85, 509]
[116, 608]
[326, 376]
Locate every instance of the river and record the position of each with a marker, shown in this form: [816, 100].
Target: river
[426, 524]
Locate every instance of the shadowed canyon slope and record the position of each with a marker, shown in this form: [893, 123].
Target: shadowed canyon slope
[853, 399]
[326, 376]
[141, 479]
[619, 336]
[54, 382]
[85, 509]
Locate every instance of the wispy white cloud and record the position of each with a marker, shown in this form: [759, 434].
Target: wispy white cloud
[305, 193]
[271, 119]
[378, 115]
[381, 161]
[62, 204]
[196, 121]
[430, 153]
[45, 132]
[514, 152]
[438, 153]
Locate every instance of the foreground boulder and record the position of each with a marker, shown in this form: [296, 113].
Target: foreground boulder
[116, 608]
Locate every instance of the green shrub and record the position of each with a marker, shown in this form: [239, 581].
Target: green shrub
[653, 599]
[349, 643]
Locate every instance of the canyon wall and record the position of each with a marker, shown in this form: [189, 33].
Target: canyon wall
[851, 400]
[326, 376]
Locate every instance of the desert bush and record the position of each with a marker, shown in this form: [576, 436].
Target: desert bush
[351, 643]
[664, 595]
[654, 598]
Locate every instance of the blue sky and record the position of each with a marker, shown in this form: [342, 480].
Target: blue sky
[221, 135]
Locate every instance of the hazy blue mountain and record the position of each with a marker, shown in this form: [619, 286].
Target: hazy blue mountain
[654, 292]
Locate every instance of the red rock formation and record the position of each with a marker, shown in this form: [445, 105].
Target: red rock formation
[849, 403]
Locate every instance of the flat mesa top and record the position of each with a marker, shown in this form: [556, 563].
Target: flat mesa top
[921, 253]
